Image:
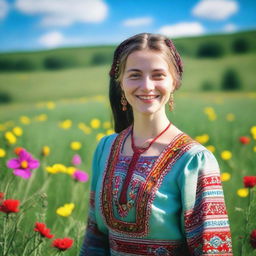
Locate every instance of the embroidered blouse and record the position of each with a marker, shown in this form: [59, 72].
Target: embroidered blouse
[175, 202]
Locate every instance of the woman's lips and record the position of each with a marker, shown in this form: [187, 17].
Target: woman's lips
[147, 98]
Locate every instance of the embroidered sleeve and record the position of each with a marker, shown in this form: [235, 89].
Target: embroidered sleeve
[206, 225]
[95, 242]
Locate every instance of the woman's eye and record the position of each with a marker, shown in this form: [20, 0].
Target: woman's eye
[134, 75]
[159, 75]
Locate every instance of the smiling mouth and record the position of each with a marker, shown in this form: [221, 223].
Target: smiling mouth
[149, 97]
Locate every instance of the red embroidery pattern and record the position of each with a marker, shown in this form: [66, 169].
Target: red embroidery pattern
[147, 247]
[207, 224]
[147, 191]
[141, 171]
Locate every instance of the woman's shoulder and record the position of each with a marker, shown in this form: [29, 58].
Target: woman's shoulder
[198, 150]
[107, 140]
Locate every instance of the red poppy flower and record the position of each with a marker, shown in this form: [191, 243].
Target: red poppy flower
[253, 238]
[1, 196]
[10, 205]
[249, 181]
[62, 243]
[43, 230]
[244, 140]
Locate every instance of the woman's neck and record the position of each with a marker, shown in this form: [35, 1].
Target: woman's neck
[149, 126]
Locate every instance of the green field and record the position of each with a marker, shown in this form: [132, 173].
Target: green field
[79, 94]
[61, 189]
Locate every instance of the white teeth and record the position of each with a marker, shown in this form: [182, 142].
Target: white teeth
[147, 97]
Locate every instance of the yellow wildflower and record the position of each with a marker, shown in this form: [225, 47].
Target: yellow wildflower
[209, 111]
[225, 176]
[65, 210]
[25, 120]
[45, 150]
[10, 137]
[70, 170]
[226, 155]
[107, 125]
[212, 117]
[50, 105]
[56, 168]
[253, 132]
[41, 118]
[254, 149]
[65, 124]
[99, 136]
[100, 98]
[17, 131]
[2, 152]
[110, 131]
[95, 123]
[211, 148]
[75, 145]
[202, 138]
[86, 129]
[81, 125]
[243, 192]
[230, 117]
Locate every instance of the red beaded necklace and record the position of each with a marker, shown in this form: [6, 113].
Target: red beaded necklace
[137, 151]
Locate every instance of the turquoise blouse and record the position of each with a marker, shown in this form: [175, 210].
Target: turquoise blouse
[175, 202]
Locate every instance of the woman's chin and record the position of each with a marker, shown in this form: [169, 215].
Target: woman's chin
[147, 111]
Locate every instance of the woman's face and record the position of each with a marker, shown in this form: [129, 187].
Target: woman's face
[147, 82]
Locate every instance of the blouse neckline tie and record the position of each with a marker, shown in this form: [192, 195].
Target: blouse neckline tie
[137, 151]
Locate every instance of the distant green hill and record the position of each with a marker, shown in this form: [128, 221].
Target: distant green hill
[89, 74]
[100, 55]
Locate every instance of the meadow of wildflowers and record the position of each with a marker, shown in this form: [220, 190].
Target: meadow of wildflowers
[45, 166]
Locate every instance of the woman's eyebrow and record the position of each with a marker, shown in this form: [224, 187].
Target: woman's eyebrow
[159, 69]
[133, 70]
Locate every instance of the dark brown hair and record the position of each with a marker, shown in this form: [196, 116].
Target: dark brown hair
[156, 42]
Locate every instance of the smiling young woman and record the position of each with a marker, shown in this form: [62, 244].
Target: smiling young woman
[155, 190]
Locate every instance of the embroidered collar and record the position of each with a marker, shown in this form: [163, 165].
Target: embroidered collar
[177, 147]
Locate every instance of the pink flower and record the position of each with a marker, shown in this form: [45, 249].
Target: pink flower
[23, 165]
[80, 176]
[76, 160]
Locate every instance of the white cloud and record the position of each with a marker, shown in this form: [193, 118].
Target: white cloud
[230, 27]
[4, 8]
[64, 12]
[55, 39]
[215, 9]
[143, 21]
[52, 39]
[182, 29]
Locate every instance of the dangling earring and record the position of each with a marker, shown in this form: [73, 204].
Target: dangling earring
[171, 102]
[123, 102]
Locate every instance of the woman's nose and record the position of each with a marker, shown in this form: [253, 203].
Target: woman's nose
[147, 83]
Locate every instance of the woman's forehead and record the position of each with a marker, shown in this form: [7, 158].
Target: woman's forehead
[146, 59]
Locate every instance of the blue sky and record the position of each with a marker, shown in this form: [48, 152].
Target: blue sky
[44, 24]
